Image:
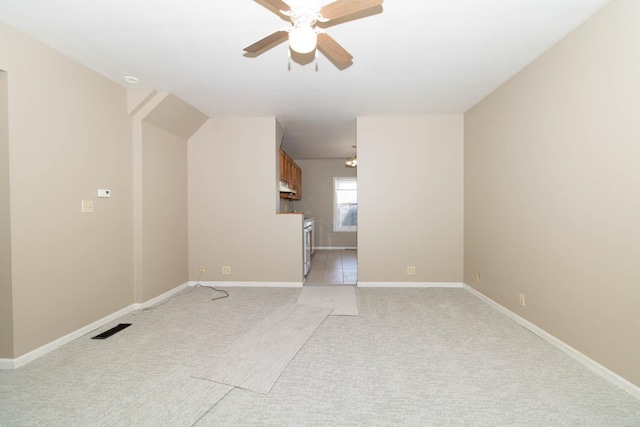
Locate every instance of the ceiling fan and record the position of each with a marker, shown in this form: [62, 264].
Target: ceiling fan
[303, 34]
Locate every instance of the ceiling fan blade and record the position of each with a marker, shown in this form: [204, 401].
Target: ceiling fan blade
[332, 50]
[341, 8]
[267, 41]
[279, 5]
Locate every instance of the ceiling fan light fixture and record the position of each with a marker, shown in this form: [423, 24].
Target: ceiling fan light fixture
[352, 161]
[303, 39]
[303, 36]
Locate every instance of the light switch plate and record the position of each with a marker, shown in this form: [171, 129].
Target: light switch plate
[87, 206]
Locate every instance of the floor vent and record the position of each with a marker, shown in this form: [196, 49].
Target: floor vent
[114, 330]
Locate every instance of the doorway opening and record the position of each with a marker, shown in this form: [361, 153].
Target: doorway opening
[335, 260]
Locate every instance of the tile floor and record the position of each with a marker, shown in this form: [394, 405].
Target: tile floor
[333, 267]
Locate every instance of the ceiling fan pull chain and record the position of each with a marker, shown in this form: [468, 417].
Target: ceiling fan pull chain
[316, 60]
[289, 55]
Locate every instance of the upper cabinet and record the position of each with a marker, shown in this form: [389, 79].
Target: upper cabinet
[291, 175]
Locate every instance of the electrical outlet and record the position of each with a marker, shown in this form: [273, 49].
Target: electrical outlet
[411, 271]
[522, 301]
[202, 269]
[87, 206]
[477, 277]
[226, 269]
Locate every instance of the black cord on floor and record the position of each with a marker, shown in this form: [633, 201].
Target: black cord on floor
[226, 294]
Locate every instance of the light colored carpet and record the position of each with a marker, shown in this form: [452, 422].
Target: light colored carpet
[178, 399]
[75, 384]
[342, 299]
[256, 360]
[424, 357]
[412, 357]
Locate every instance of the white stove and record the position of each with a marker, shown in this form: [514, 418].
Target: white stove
[308, 244]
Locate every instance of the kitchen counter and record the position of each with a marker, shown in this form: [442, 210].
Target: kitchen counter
[305, 215]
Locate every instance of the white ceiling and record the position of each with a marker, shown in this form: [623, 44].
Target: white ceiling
[410, 56]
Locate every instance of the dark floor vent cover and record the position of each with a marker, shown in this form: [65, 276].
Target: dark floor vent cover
[114, 330]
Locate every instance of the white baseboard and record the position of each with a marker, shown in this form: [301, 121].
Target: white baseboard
[334, 248]
[6, 364]
[248, 284]
[594, 366]
[162, 297]
[47, 348]
[410, 285]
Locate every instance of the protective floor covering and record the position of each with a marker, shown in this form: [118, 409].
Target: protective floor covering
[178, 399]
[256, 360]
[341, 299]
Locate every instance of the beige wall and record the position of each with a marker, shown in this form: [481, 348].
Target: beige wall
[6, 298]
[69, 135]
[165, 259]
[233, 204]
[552, 196]
[410, 175]
[317, 199]
[162, 124]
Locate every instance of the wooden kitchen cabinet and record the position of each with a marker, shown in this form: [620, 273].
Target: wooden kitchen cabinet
[290, 173]
[297, 179]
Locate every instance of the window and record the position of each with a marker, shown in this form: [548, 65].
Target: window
[345, 204]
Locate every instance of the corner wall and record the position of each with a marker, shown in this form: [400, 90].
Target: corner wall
[410, 175]
[163, 123]
[233, 203]
[165, 258]
[551, 190]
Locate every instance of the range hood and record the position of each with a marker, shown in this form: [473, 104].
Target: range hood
[284, 187]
